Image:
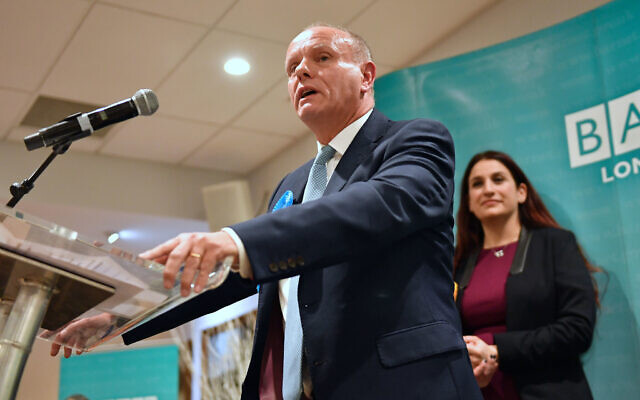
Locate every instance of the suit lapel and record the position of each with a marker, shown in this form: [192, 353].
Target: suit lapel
[366, 139]
[296, 181]
[361, 147]
[299, 181]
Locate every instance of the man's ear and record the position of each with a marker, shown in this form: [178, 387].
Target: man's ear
[368, 76]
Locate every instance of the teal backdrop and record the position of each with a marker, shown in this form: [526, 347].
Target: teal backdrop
[564, 103]
[149, 374]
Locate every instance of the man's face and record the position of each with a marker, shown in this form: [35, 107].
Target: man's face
[325, 82]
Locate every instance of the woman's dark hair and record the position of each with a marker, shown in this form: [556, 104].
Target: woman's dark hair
[532, 213]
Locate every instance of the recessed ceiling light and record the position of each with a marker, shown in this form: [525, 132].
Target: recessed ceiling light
[237, 66]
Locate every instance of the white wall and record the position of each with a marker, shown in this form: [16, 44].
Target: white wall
[101, 182]
[264, 179]
[506, 20]
[41, 377]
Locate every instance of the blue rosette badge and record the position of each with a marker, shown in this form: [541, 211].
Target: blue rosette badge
[285, 201]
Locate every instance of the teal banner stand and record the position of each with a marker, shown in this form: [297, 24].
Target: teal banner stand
[565, 103]
[144, 374]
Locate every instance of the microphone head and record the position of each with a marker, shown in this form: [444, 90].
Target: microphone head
[146, 101]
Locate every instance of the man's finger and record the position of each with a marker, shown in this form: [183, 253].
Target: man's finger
[161, 250]
[172, 266]
[208, 263]
[185, 281]
[63, 337]
[161, 260]
[55, 348]
[191, 267]
[80, 345]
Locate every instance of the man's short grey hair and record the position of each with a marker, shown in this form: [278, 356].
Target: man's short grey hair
[361, 50]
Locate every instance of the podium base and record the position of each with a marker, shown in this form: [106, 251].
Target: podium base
[20, 330]
[5, 309]
[40, 296]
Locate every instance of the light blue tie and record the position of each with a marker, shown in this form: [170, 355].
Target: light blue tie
[292, 360]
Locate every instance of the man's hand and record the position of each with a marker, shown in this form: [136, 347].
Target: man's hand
[199, 252]
[79, 332]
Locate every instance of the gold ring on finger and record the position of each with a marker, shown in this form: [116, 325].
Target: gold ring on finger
[195, 255]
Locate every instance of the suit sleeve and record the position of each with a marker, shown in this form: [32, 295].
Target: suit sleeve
[232, 290]
[409, 187]
[571, 332]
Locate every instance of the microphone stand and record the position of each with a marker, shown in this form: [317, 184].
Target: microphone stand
[18, 190]
[28, 308]
[27, 312]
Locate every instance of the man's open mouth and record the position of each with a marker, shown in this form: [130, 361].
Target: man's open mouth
[307, 93]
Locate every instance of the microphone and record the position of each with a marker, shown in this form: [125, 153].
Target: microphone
[77, 126]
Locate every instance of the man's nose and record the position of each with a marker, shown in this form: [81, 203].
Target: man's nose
[303, 70]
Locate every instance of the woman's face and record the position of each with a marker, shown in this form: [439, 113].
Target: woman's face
[493, 192]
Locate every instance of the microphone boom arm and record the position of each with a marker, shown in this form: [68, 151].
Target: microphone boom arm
[77, 126]
[19, 190]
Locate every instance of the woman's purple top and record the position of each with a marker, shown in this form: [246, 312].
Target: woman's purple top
[484, 309]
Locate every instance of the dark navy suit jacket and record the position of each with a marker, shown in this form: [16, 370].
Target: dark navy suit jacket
[374, 256]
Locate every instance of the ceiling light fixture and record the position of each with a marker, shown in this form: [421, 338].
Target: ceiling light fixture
[237, 66]
[113, 237]
[129, 234]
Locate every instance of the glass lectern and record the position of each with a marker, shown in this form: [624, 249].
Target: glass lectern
[62, 287]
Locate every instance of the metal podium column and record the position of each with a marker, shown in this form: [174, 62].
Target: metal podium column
[5, 309]
[20, 330]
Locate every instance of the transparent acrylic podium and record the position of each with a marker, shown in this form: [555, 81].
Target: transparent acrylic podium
[62, 287]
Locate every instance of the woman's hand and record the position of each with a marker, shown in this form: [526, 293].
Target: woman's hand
[484, 372]
[484, 359]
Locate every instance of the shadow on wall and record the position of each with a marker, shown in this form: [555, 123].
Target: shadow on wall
[614, 354]
[615, 351]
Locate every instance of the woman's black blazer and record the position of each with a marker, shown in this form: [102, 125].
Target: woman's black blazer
[551, 313]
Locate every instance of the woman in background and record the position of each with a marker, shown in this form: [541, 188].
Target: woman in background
[526, 297]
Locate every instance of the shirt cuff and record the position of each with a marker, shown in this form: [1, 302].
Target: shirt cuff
[243, 259]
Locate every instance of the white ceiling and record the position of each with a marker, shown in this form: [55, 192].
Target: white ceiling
[103, 51]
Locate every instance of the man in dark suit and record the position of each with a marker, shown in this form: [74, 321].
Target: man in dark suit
[373, 254]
